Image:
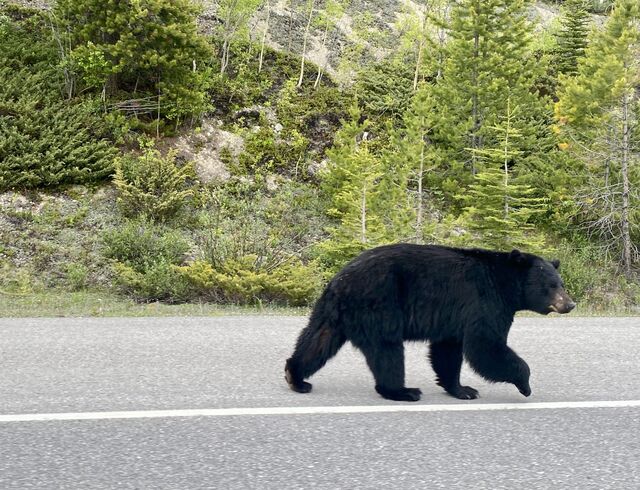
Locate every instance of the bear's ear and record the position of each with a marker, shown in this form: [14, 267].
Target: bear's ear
[555, 263]
[516, 256]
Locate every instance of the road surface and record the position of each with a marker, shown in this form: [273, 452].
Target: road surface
[198, 403]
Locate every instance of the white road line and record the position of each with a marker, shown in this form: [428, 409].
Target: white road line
[229, 412]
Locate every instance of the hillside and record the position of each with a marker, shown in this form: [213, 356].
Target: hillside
[239, 180]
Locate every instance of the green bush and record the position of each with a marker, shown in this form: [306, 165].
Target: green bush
[77, 276]
[240, 219]
[158, 282]
[314, 114]
[151, 184]
[266, 152]
[592, 279]
[45, 140]
[147, 51]
[239, 281]
[141, 243]
[144, 256]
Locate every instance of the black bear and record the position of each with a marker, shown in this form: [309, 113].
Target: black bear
[461, 300]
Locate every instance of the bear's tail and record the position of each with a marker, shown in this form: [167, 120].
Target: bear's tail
[318, 342]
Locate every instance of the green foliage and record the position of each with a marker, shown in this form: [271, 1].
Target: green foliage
[77, 277]
[608, 69]
[490, 61]
[158, 282]
[598, 112]
[572, 36]
[501, 212]
[152, 184]
[582, 280]
[352, 182]
[598, 287]
[240, 219]
[234, 15]
[148, 49]
[241, 85]
[426, 156]
[384, 89]
[239, 281]
[312, 113]
[141, 243]
[45, 140]
[413, 167]
[144, 256]
[498, 206]
[265, 152]
[252, 248]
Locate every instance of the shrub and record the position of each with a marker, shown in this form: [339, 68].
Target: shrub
[44, 139]
[239, 281]
[152, 184]
[266, 152]
[159, 282]
[148, 51]
[144, 256]
[238, 219]
[141, 243]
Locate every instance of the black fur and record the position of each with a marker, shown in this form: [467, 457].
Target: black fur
[461, 300]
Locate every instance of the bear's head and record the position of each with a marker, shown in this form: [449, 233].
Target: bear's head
[543, 290]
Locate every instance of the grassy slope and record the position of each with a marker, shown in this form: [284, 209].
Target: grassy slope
[54, 239]
[61, 303]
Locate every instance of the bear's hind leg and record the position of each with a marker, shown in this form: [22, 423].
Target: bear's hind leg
[386, 362]
[315, 346]
[446, 360]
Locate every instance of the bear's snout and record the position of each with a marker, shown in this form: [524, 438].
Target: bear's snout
[562, 304]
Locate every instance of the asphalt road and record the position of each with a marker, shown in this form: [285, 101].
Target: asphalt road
[138, 365]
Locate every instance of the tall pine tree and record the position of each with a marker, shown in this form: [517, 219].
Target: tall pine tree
[410, 165]
[499, 207]
[352, 185]
[489, 62]
[598, 114]
[572, 36]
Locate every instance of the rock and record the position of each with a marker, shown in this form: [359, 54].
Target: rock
[271, 183]
[252, 115]
[314, 168]
[205, 149]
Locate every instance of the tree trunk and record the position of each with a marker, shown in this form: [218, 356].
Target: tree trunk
[474, 101]
[264, 37]
[626, 234]
[225, 56]
[363, 214]
[420, 174]
[304, 41]
[506, 160]
[321, 67]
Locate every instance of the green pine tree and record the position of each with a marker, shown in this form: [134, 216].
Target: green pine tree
[598, 113]
[352, 185]
[490, 61]
[411, 163]
[149, 49]
[499, 208]
[572, 36]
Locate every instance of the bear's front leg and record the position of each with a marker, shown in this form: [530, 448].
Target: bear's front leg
[446, 360]
[495, 361]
